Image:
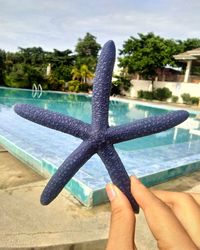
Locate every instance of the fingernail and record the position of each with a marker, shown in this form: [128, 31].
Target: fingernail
[110, 192]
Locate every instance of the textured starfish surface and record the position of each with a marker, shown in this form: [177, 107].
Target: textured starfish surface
[98, 137]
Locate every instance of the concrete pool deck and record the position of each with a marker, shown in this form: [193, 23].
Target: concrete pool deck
[65, 224]
[13, 172]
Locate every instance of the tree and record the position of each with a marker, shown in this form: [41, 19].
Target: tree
[29, 65]
[86, 74]
[76, 75]
[24, 75]
[33, 56]
[2, 66]
[61, 63]
[189, 44]
[83, 73]
[146, 54]
[87, 51]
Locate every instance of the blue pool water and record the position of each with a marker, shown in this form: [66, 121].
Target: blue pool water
[154, 158]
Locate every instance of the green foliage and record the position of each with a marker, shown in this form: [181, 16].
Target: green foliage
[54, 83]
[186, 98]
[86, 74]
[33, 56]
[29, 65]
[162, 94]
[76, 86]
[190, 100]
[84, 87]
[87, 51]
[23, 75]
[62, 73]
[73, 86]
[140, 94]
[146, 54]
[76, 74]
[115, 89]
[189, 44]
[121, 83]
[194, 100]
[174, 98]
[2, 66]
[83, 74]
[145, 94]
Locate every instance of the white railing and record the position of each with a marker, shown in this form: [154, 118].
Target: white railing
[39, 91]
[36, 90]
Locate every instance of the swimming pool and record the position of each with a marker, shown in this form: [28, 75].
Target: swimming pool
[154, 158]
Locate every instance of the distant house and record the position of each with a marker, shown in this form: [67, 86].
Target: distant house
[168, 73]
[191, 58]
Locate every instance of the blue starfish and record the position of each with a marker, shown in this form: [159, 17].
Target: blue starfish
[97, 137]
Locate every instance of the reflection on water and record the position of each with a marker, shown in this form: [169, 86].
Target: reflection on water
[79, 106]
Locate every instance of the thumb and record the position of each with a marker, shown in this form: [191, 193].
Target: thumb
[122, 225]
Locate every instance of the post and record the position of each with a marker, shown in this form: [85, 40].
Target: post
[187, 71]
[48, 69]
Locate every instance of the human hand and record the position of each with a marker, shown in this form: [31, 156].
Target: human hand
[173, 218]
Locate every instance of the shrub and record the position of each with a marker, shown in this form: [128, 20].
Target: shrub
[190, 100]
[186, 98]
[162, 94]
[140, 94]
[148, 95]
[71, 88]
[174, 98]
[84, 87]
[194, 100]
[145, 94]
[73, 85]
[76, 86]
[121, 83]
[115, 89]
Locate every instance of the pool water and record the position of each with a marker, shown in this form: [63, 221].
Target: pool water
[79, 106]
[152, 157]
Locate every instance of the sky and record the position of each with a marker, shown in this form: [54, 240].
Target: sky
[59, 23]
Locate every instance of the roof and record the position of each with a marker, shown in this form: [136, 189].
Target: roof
[193, 54]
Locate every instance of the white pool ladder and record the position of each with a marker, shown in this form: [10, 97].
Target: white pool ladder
[36, 90]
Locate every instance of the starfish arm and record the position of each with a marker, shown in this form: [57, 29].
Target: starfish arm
[101, 87]
[53, 120]
[66, 171]
[147, 126]
[118, 173]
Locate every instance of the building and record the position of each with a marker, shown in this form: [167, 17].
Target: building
[191, 58]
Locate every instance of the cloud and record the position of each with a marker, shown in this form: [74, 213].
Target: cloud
[58, 24]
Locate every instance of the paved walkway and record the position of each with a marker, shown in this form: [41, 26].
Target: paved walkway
[65, 224]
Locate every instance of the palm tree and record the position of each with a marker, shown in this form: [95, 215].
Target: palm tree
[85, 73]
[76, 75]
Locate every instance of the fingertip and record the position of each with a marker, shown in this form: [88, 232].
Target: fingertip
[135, 180]
[142, 195]
[117, 198]
[111, 191]
[136, 184]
